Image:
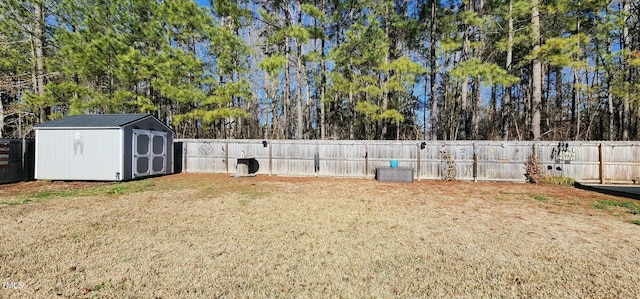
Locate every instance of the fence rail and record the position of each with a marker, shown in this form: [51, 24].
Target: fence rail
[586, 162]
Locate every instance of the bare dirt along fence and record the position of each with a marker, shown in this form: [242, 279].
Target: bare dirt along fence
[586, 162]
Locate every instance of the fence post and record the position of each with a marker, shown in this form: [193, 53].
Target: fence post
[475, 164]
[184, 157]
[270, 157]
[226, 155]
[601, 158]
[23, 152]
[418, 166]
[316, 159]
[366, 160]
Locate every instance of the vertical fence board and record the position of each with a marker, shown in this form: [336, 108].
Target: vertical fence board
[16, 163]
[621, 163]
[205, 156]
[342, 158]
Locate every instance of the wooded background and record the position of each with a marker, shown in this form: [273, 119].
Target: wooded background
[328, 69]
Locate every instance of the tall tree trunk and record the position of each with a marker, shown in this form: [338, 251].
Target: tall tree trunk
[610, 109]
[272, 93]
[287, 88]
[299, 95]
[464, 92]
[385, 75]
[557, 124]
[506, 104]
[493, 114]
[300, 72]
[576, 103]
[39, 51]
[576, 94]
[2, 116]
[546, 113]
[352, 112]
[463, 110]
[626, 39]
[323, 80]
[536, 73]
[433, 116]
[336, 119]
[477, 105]
[478, 95]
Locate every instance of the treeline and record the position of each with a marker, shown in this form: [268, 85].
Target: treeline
[329, 69]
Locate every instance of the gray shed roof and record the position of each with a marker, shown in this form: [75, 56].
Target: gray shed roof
[94, 121]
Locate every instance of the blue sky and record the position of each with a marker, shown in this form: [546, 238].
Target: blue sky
[203, 2]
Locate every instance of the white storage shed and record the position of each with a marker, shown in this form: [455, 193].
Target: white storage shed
[103, 147]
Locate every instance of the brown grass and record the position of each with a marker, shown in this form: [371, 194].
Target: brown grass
[207, 236]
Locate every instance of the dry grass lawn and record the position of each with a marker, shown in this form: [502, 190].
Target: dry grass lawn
[209, 236]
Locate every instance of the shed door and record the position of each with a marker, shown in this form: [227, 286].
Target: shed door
[149, 152]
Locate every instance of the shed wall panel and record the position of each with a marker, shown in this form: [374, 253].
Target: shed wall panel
[78, 154]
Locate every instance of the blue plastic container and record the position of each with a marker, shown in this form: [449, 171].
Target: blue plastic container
[394, 163]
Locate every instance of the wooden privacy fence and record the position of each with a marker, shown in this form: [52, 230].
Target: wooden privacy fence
[586, 162]
[17, 158]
